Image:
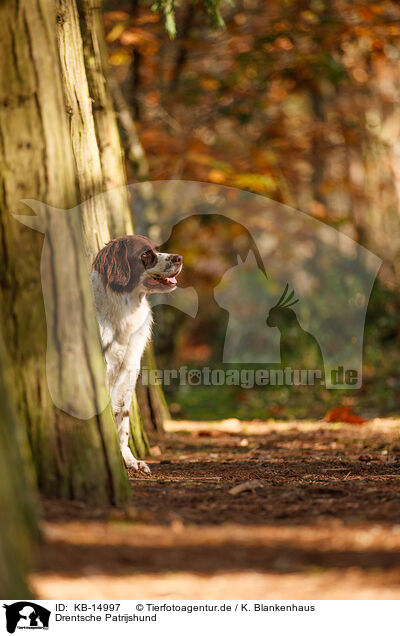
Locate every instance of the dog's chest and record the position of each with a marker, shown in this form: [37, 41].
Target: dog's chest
[127, 346]
[125, 327]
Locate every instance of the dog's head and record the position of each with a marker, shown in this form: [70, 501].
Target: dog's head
[133, 262]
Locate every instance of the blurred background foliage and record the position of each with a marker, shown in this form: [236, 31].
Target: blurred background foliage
[297, 100]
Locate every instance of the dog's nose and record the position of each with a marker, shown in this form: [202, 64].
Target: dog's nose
[177, 259]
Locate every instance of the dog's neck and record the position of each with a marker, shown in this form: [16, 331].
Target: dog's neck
[119, 307]
[132, 305]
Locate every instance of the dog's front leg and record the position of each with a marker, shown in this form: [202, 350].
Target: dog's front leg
[121, 398]
[122, 421]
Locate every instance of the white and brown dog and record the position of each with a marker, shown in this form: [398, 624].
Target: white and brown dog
[125, 271]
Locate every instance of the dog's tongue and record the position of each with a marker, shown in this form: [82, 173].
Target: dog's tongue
[164, 281]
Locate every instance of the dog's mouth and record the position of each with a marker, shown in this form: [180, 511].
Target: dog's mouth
[157, 282]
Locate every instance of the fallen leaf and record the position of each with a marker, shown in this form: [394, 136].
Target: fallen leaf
[177, 526]
[155, 451]
[209, 433]
[250, 485]
[343, 414]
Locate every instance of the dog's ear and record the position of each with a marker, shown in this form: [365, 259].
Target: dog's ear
[112, 263]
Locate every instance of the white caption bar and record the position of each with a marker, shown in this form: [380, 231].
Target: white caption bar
[183, 617]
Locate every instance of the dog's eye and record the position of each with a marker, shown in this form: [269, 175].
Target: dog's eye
[147, 257]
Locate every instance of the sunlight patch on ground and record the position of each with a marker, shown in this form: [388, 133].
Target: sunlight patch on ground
[335, 584]
[258, 427]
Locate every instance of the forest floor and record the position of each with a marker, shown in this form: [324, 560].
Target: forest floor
[320, 518]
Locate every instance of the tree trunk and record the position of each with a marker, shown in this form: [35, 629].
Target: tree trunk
[107, 134]
[151, 400]
[73, 458]
[18, 528]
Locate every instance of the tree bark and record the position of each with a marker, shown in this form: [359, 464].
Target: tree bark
[107, 134]
[151, 400]
[73, 458]
[19, 530]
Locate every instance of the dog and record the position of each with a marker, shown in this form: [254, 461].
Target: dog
[124, 272]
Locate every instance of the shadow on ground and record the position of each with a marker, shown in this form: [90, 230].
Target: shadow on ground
[323, 498]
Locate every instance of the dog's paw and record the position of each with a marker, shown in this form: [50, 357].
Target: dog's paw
[144, 467]
[132, 462]
[129, 459]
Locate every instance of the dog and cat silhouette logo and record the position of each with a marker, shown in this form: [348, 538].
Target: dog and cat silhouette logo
[262, 284]
[26, 615]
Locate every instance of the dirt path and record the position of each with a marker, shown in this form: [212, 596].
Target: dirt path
[320, 520]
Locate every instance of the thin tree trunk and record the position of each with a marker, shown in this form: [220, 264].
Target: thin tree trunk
[182, 53]
[113, 171]
[317, 150]
[152, 403]
[133, 148]
[107, 134]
